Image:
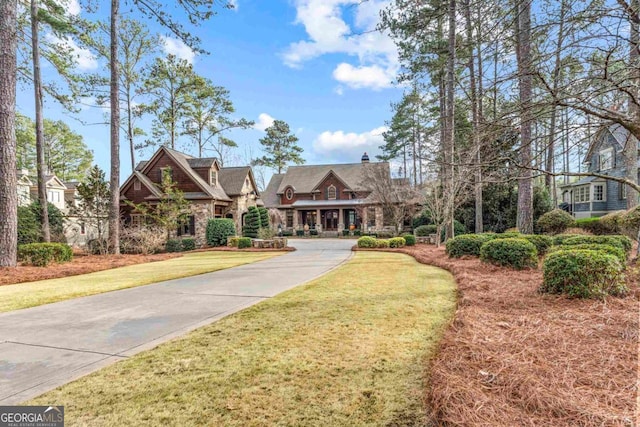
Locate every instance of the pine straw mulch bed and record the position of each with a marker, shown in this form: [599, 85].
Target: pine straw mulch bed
[81, 264]
[514, 357]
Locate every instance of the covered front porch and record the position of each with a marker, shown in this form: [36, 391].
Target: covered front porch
[335, 216]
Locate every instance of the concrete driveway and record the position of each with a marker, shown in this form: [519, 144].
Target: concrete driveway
[44, 347]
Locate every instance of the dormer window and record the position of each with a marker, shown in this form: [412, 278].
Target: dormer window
[606, 159]
[331, 192]
[289, 193]
[213, 178]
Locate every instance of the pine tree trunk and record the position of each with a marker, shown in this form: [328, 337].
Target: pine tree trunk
[132, 151]
[37, 87]
[450, 119]
[475, 121]
[8, 180]
[525, 183]
[479, 220]
[550, 180]
[114, 187]
[631, 149]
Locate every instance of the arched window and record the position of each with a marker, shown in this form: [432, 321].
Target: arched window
[289, 193]
[331, 192]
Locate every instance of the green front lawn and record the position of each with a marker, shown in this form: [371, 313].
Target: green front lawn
[23, 295]
[348, 349]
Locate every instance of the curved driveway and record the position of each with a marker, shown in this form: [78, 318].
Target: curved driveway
[47, 346]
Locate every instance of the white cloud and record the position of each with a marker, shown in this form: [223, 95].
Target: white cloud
[349, 145]
[339, 90]
[178, 48]
[374, 76]
[72, 7]
[264, 121]
[85, 60]
[329, 33]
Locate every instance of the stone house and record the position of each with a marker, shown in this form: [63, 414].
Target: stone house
[329, 198]
[204, 184]
[592, 196]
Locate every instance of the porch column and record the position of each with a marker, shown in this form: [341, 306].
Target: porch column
[295, 219]
[379, 218]
[364, 219]
[341, 221]
[318, 220]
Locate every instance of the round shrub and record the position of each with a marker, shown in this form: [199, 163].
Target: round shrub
[622, 242]
[382, 243]
[188, 244]
[611, 250]
[559, 239]
[467, 244]
[583, 274]
[218, 230]
[512, 252]
[42, 254]
[173, 245]
[555, 221]
[506, 235]
[244, 242]
[425, 230]
[593, 225]
[367, 242]
[542, 243]
[409, 239]
[630, 222]
[613, 222]
[397, 242]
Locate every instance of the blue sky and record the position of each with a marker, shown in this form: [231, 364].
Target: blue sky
[316, 64]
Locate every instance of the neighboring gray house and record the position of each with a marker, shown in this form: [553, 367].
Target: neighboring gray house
[591, 196]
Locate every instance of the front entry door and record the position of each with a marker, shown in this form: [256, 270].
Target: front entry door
[331, 220]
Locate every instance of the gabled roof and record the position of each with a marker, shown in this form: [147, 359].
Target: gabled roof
[270, 195]
[182, 160]
[306, 178]
[232, 179]
[145, 181]
[54, 181]
[330, 172]
[621, 136]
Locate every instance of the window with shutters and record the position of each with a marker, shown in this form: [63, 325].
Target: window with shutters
[187, 226]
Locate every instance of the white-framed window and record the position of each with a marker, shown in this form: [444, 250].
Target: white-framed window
[213, 178]
[331, 192]
[599, 194]
[583, 194]
[606, 159]
[136, 185]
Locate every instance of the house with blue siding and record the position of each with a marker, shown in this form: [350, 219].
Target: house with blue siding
[593, 196]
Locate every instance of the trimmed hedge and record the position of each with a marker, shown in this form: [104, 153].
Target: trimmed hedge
[466, 244]
[218, 230]
[244, 242]
[264, 217]
[382, 243]
[559, 239]
[42, 254]
[555, 221]
[367, 242]
[188, 244]
[511, 252]
[611, 250]
[409, 239]
[397, 242]
[622, 242]
[173, 245]
[613, 222]
[592, 225]
[581, 273]
[542, 243]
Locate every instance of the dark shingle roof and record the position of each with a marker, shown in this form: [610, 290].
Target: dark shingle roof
[201, 163]
[306, 178]
[141, 165]
[270, 194]
[232, 179]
